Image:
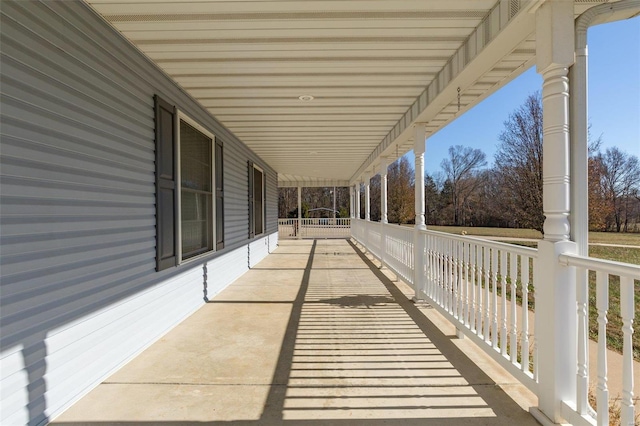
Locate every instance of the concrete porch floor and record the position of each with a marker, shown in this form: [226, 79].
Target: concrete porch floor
[314, 334]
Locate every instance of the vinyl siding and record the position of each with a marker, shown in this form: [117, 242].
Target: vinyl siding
[80, 294]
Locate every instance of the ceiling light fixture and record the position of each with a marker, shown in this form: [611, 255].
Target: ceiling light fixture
[306, 98]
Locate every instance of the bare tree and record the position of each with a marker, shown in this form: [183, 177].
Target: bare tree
[375, 209]
[518, 161]
[460, 169]
[432, 200]
[620, 181]
[401, 208]
[287, 202]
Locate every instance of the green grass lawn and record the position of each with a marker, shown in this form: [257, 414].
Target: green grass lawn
[594, 237]
[491, 232]
[630, 239]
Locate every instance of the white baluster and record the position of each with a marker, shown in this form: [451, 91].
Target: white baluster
[503, 288]
[602, 305]
[487, 282]
[441, 293]
[479, 274]
[431, 269]
[454, 279]
[627, 313]
[464, 254]
[472, 289]
[494, 298]
[461, 281]
[447, 275]
[524, 281]
[582, 298]
[513, 275]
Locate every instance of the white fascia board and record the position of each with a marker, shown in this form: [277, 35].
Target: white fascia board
[477, 56]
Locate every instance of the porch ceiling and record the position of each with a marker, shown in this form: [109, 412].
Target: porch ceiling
[372, 67]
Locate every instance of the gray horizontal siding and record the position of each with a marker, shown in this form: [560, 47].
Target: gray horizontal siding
[77, 207]
[272, 201]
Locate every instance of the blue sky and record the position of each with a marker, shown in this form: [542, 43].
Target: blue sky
[614, 99]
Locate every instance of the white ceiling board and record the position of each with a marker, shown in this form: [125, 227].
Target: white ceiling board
[367, 63]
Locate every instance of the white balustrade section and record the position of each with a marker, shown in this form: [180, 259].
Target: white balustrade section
[483, 288]
[607, 273]
[369, 235]
[399, 251]
[314, 228]
[374, 234]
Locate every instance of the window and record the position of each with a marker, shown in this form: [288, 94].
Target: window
[219, 197]
[196, 191]
[256, 200]
[189, 188]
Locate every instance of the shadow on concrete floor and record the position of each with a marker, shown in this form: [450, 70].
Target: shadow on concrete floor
[355, 351]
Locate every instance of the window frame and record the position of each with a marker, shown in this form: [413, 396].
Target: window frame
[180, 115]
[263, 196]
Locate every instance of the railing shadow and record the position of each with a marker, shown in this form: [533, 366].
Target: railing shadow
[357, 352]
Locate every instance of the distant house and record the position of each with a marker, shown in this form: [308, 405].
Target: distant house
[322, 212]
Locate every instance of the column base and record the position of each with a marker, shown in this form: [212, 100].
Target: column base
[542, 418]
[419, 301]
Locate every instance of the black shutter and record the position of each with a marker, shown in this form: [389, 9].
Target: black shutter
[252, 225]
[219, 197]
[166, 185]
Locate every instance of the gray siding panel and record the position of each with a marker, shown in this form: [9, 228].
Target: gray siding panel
[272, 201]
[80, 294]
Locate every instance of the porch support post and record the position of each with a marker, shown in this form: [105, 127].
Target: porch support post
[367, 197]
[579, 145]
[299, 223]
[384, 166]
[351, 202]
[419, 240]
[579, 218]
[555, 284]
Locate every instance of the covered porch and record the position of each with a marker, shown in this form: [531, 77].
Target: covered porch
[314, 334]
[357, 331]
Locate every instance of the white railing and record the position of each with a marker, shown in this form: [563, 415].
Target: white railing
[487, 290]
[314, 228]
[392, 244]
[607, 273]
[474, 283]
[399, 252]
[368, 234]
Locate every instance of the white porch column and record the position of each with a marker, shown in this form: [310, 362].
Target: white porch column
[555, 284]
[351, 202]
[367, 197]
[384, 165]
[298, 225]
[418, 240]
[418, 150]
[579, 218]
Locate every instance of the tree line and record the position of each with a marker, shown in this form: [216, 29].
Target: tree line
[465, 192]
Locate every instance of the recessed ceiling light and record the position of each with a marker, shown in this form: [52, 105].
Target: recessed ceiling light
[306, 98]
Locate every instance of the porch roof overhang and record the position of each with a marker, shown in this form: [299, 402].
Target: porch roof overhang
[373, 68]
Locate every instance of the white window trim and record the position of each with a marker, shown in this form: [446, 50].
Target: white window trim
[264, 203]
[182, 116]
